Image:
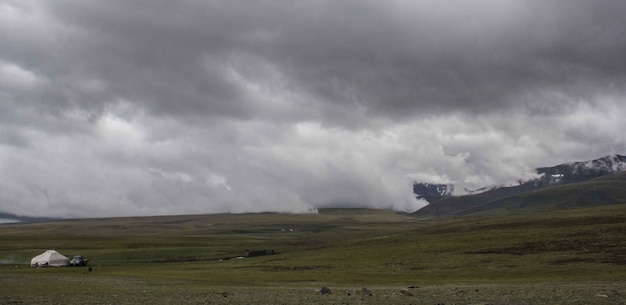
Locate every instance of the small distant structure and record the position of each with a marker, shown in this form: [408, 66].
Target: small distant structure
[249, 253]
[50, 258]
[254, 253]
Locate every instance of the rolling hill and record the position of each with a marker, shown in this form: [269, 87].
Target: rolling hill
[603, 190]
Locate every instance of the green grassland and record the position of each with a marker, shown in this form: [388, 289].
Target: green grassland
[572, 256]
[604, 190]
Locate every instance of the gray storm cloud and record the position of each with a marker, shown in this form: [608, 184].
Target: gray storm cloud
[112, 108]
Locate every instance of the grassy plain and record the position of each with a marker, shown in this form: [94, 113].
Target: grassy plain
[574, 256]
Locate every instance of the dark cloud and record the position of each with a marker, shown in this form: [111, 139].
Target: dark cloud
[154, 107]
[392, 59]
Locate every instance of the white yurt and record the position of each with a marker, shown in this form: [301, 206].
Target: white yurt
[50, 258]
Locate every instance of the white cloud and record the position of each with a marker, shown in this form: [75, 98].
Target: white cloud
[205, 107]
[14, 77]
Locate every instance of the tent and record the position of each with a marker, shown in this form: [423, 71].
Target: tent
[49, 258]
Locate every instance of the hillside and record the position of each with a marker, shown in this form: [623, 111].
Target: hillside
[571, 172]
[604, 190]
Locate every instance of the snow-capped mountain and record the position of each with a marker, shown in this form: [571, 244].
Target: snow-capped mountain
[560, 174]
[430, 191]
[579, 171]
[576, 184]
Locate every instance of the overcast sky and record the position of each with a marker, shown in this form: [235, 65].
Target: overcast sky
[152, 107]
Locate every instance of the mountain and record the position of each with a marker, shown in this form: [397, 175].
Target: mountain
[604, 190]
[10, 218]
[431, 191]
[579, 171]
[528, 193]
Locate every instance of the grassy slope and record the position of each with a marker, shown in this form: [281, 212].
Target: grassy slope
[610, 189]
[604, 190]
[337, 247]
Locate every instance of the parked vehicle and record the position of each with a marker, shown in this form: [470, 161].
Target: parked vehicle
[78, 261]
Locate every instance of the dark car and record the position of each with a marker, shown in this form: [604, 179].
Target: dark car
[78, 261]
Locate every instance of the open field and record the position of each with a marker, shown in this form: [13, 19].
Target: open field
[575, 256]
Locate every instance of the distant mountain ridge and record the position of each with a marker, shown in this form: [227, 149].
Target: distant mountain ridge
[10, 218]
[559, 175]
[579, 171]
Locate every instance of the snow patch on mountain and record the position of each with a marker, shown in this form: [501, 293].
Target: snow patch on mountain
[545, 176]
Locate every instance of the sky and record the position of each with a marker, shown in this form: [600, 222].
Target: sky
[157, 107]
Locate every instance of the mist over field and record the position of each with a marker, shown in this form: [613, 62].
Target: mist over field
[115, 108]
